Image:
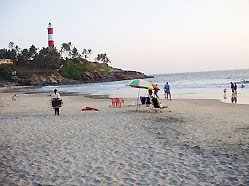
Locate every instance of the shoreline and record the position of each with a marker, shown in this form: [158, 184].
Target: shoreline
[243, 97]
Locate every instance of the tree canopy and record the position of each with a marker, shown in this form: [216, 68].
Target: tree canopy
[68, 59]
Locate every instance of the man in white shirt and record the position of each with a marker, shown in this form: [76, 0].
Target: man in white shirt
[56, 102]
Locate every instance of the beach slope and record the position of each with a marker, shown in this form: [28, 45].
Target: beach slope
[193, 142]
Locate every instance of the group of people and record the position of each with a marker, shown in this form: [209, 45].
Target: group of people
[155, 98]
[166, 88]
[57, 101]
[234, 92]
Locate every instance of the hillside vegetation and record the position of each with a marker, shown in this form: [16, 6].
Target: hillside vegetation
[53, 66]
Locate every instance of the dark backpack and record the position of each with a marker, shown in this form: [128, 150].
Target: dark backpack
[155, 102]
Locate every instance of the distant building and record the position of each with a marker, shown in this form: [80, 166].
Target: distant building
[6, 62]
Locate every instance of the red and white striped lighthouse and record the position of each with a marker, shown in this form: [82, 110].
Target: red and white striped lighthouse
[50, 35]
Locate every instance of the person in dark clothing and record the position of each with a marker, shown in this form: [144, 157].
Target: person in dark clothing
[150, 92]
[232, 86]
[167, 91]
[235, 87]
[156, 103]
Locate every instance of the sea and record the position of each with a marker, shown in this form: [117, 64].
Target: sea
[189, 85]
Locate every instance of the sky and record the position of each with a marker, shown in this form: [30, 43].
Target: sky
[151, 36]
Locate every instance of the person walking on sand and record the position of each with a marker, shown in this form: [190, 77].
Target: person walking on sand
[56, 102]
[167, 91]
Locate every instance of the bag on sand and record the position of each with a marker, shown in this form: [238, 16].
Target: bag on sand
[56, 103]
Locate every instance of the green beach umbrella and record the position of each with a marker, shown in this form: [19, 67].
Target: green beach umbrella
[141, 83]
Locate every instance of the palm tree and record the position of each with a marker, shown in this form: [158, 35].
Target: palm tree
[47, 58]
[11, 45]
[66, 49]
[17, 49]
[86, 53]
[75, 53]
[32, 51]
[103, 58]
[89, 52]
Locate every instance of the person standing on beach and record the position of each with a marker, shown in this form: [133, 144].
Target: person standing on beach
[150, 92]
[156, 89]
[56, 102]
[225, 93]
[232, 86]
[235, 87]
[167, 91]
[234, 92]
[234, 97]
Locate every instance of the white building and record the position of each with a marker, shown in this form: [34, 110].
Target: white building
[6, 62]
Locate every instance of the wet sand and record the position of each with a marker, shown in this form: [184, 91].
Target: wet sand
[193, 142]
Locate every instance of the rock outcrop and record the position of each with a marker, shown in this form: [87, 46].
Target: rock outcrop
[87, 77]
[113, 76]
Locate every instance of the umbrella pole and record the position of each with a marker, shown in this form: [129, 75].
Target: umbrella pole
[138, 98]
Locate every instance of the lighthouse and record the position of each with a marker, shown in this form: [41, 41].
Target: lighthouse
[50, 36]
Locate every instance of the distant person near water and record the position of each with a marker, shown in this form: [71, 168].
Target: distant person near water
[234, 97]
[167, 91]
[56, 102]
[232, 86]
[235, 87]
[225, 93]
[234, 92]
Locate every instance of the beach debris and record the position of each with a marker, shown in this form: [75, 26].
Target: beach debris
[197, 147]
[89, 108]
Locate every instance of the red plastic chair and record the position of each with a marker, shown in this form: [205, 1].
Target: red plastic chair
[117, 102]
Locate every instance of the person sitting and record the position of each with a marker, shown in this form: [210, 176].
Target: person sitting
[145, 100]
[156, 103]
[14, 98]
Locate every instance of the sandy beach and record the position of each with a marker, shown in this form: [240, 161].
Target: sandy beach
[192, 142]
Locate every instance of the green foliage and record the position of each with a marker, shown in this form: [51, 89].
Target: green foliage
[28, 61]
[5, 72]
[86, 53]
[73, 69]
[47, 58]
[103, 58]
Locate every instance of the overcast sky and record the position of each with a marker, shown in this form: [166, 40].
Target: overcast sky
[152, 36]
